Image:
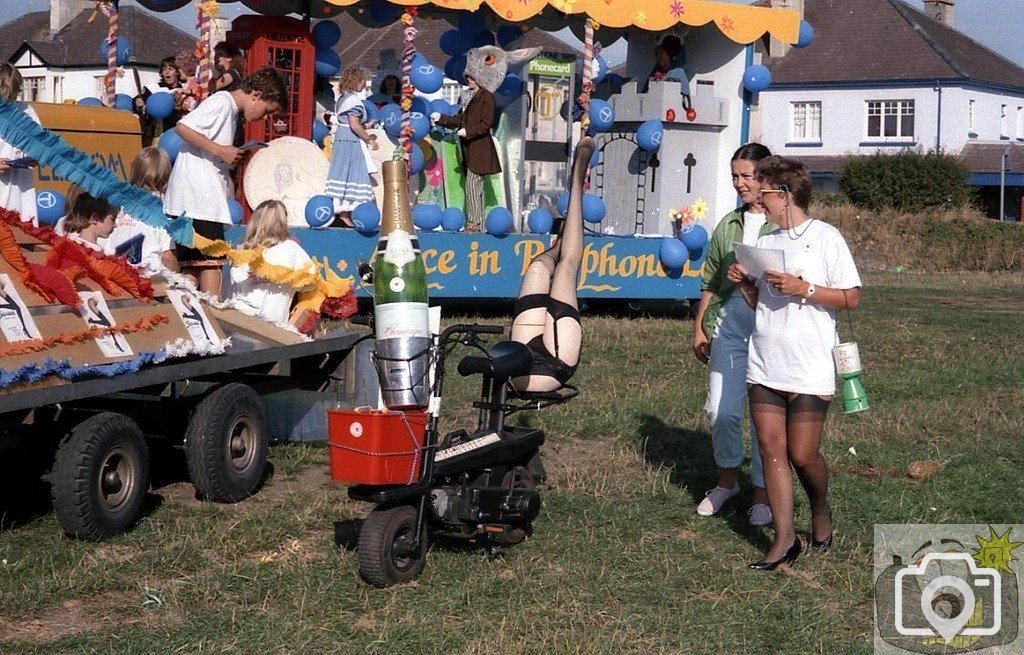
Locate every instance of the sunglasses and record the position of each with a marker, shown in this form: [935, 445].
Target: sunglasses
[761, 192]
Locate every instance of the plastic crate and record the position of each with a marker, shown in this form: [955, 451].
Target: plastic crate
[376, 447]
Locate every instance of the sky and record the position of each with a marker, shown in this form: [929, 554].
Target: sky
[995, 23]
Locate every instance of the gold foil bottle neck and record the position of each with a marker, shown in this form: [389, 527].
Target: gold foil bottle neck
[395, 214]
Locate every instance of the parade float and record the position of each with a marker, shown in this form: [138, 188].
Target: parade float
[657, 186]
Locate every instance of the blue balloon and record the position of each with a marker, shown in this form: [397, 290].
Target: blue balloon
[235, 211]
[694, 237]
[455, 69]
[372, 113]
[472, 23]
[427, 216]
[50, 206]
[649, 135]
[600, 69]
[366, 217]
[123, 101]
[452, 219]
[806, 35]
[123, 50]
[757, 78]
[319, 211]
[484, 38]
[562, 203]
[512, 85]
[170, 143]
[615, 80]
[420, 124]
[672, 254]
[383, 12]
[91, 102]
[320, 131]
[602, 116]
[327, 62]
[420, 105]
[426, 77]
[593, 208]
[509, 34]
[160, 105]
[498, 222]
[454, 43]
[326, 34]
[391, 119]
[540, 220]
[443, 107]
[416, 162]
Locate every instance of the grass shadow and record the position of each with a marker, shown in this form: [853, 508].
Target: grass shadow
[687, 455]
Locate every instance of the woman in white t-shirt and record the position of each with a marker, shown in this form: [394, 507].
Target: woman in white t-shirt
[17, 184]
[254, 296]
[790, 374]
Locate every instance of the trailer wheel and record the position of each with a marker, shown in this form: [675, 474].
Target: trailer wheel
[226, 444]
[385, 548]
[100, 476]
[519, 478]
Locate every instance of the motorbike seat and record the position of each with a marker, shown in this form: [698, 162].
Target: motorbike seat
[502, 361]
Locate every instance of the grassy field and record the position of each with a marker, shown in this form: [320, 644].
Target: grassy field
[619, 562]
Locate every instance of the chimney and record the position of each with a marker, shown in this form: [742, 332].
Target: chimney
[940, 10]
[63, 12]
[777, 48]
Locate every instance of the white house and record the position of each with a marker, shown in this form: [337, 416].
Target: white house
[58, 51]
[881, 76]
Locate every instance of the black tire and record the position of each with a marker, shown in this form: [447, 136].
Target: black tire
[100, 477]
[385, 541]
[226, 444]
[523, 480]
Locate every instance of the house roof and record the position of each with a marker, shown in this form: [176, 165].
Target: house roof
[987, 157]
[888, 41]
[78, 43]
[360, 45]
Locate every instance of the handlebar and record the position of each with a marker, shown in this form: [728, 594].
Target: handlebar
[361, 319]
[473, 328]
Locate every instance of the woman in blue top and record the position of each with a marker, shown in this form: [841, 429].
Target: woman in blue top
[348, 180]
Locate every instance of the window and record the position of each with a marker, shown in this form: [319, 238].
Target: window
[58, 89]
[1004, 122]
[891, 119]
[807, 121]
[32, 89]
[1020, 123]
[970, 118]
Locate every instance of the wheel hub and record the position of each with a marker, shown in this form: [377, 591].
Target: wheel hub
[117, 479]
[242, 443]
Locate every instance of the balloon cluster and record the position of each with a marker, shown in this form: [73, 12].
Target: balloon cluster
[326, 35]
[674, 252]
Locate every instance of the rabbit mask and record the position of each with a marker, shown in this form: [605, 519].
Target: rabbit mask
[489, 65]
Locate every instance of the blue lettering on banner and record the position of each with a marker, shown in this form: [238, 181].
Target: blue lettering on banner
[114, 161]
[481, 266]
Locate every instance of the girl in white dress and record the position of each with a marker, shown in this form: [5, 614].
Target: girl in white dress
[17, 185]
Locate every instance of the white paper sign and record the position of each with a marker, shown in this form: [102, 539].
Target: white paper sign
[15, 321]
[758, 260]
[95, 313]
[194, 318]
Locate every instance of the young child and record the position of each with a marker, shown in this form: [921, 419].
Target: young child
[348, 180]
[17, 185]
[150, 170]
[268, 229]
[90, 220]
[199, 185]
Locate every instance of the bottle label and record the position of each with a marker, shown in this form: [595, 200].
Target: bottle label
[397, 284]
[401, 320]
[399, 250]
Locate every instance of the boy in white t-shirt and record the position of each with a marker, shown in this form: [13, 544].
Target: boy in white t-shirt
[200, 180]
[790, 374]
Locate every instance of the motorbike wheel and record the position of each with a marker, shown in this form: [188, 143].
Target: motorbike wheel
[386, 555]
[523, 479]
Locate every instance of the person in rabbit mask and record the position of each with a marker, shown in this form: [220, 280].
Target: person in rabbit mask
[485, 70]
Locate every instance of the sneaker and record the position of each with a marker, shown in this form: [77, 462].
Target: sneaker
[714, 499]
[760, 514]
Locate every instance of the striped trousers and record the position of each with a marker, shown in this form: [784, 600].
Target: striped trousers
[474, 202]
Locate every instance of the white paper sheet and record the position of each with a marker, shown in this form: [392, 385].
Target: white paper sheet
[758, 260]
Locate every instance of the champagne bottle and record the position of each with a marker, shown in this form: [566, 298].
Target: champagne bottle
[402, 327]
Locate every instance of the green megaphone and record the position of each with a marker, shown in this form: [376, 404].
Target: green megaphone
[847, 358]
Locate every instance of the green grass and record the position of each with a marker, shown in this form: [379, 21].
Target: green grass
[619, 562]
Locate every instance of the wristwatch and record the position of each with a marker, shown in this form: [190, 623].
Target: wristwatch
[807, 296]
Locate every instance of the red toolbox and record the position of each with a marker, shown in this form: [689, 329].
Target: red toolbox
[376, 446]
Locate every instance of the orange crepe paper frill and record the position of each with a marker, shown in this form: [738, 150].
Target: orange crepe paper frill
[15, 348]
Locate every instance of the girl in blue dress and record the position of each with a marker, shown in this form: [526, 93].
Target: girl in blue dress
[348, 180]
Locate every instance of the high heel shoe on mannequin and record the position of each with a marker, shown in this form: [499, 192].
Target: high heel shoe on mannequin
[825, 543]
[788, 558]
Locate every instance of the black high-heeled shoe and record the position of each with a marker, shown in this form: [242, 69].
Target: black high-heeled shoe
[788, 558]
[825, 543]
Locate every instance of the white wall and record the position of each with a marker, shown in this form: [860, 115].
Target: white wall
[73, 84]
[844, 119]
